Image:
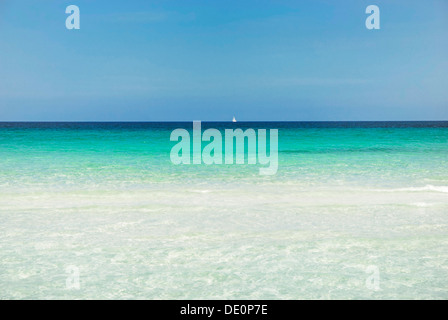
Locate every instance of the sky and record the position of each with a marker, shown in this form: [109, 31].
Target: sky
[257, 60]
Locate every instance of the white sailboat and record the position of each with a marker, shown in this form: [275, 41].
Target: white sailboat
[233, 120]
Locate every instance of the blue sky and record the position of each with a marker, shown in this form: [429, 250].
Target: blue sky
[210, 60]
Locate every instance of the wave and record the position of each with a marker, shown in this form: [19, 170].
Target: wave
[428, 187]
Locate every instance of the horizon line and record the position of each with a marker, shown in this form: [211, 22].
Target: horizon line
[188, 121]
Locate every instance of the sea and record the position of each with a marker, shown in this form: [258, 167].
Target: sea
[356, 210]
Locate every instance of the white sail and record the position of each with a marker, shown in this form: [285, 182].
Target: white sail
[234, 120]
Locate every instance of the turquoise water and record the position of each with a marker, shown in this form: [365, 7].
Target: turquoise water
[106, 199]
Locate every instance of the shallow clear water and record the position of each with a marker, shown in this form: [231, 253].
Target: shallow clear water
[105, 198]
